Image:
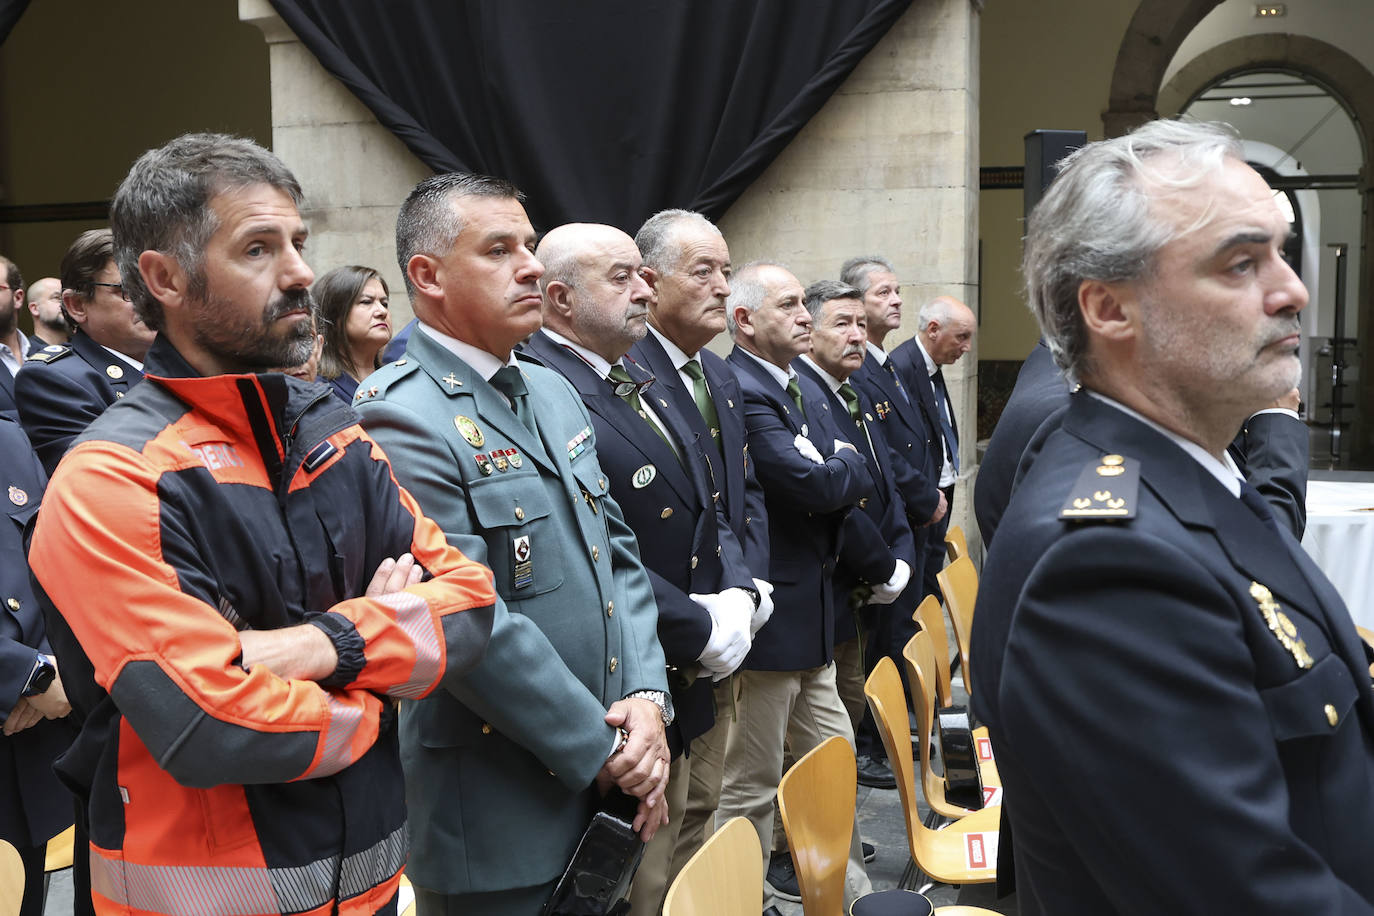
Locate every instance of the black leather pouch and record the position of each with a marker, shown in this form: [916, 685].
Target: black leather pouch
[597, 880]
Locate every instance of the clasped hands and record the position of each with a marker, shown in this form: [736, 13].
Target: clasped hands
[640, 766]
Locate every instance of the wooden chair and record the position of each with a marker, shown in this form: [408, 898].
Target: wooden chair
[959, 583]
[723, 878]
[945, 855]
[11, 880]
[921, 661]
[58, 855]
[405, 898]
[956, 544]
[931, 616]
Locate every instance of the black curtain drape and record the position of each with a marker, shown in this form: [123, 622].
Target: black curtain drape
[600, 110]
[10, 11]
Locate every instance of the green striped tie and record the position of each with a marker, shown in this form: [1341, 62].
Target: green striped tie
[702, 395]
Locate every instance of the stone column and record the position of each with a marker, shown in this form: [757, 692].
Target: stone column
[354, 172]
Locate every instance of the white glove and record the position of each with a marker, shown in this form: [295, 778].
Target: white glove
[839, 444]
[730, 611]
[765, 608]
[889, 590]
[807, 450]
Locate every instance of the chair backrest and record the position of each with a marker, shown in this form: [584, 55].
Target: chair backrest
[59, 851]
[959, 583]
[723, 878]
[884, 692]
[817, 810]
[931, 616]
[956, 545]
[11, 880]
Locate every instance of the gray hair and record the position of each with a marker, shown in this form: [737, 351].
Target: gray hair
[855, 272]
[1095, 221]
[657, 239]
[940, 309]
[823, 291]
[746, 289]
[163, 205]
[428, 224]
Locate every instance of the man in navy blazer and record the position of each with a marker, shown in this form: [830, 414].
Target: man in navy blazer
[878, 551]
[595, 305]
[687, 263]
[1180, 704]
[812, 477]
[945, 329]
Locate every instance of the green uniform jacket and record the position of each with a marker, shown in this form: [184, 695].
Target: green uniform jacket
[499, 768]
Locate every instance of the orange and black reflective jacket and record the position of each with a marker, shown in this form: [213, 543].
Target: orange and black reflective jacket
[194, 508]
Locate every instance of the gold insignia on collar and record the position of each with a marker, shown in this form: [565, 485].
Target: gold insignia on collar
[114, 371]
[1279, 623]
[451, 381]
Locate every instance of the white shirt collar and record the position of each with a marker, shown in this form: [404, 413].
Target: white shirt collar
[780, 376]
[595, 360]
[675, 353]
[126, 357]
[482, 362]
[878, 353]
[1226, 472]
[829, 379]
[931, 368]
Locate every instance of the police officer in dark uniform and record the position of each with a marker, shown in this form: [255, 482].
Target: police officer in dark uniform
[62, 388]
[34, 806]
[1179, 701]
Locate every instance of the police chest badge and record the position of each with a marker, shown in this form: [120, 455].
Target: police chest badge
[643, 477]
[522, 573]
[18, 496]
[469, 431]
[1284, 630]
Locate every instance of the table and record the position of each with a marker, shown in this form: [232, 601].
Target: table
[1340, 537]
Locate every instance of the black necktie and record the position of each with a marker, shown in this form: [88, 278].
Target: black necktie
[509, 382]
[892, 371]
[937, 382]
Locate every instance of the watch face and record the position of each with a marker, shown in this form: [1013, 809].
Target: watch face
[42, 679]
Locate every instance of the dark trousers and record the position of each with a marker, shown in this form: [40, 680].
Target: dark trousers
[935, 550]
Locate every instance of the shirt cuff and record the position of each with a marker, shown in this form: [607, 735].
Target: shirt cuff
[348, 645]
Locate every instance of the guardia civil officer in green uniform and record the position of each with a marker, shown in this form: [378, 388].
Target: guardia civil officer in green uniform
[505, 768]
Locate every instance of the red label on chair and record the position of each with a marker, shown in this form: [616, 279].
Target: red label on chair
[984, 749]
[992, 795]
[980, 850]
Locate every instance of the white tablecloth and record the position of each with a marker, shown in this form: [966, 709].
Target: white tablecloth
[1340, 537]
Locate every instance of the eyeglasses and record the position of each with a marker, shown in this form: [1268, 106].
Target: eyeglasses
[625, 389]
[117, 287]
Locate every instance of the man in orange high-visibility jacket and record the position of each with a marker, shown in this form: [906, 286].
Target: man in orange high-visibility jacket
[207, 549]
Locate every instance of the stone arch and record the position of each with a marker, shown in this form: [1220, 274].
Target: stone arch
[1152, 38]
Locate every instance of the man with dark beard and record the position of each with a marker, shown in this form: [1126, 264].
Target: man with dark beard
[257, 607]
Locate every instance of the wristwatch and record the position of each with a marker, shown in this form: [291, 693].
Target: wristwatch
[41, 678]
[660, 699]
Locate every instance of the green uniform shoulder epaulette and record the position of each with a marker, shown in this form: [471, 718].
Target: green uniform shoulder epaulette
[50, 354]
[377, 383]
[1105, 490]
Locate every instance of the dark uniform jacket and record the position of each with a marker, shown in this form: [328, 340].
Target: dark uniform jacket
[63, 388]
[500, 766]
[683, 539]
[806, 504]
[33, 804]
[1180, 704]
[732, 471]
[876, 533]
